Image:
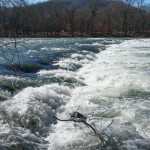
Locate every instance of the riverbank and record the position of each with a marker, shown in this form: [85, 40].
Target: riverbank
[63, 34]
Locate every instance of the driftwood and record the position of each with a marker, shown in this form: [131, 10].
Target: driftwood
[78, 117]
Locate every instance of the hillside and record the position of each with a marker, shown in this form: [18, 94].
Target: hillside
[74, 18]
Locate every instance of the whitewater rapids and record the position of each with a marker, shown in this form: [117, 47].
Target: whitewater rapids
[103, 78]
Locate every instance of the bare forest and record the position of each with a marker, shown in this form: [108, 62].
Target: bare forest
[75, 18]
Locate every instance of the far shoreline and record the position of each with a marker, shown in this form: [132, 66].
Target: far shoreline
[63, 34]
[79, 35]
[67, 37]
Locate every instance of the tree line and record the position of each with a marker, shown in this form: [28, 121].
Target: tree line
[74, 18]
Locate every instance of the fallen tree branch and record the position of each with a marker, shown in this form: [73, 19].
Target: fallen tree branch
[108, 126]
[62, 119]
[78, 117]
[75, 120]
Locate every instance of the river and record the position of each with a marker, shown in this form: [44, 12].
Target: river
[105, 79]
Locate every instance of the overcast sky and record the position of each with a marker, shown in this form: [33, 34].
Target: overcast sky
[35, 1]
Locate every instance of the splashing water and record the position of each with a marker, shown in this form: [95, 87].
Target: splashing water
[109, 78]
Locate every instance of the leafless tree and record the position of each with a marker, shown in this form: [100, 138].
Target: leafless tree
[95, 17]
[94, 6]
[71, 12]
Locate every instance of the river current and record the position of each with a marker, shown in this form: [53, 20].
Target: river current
[105, 79]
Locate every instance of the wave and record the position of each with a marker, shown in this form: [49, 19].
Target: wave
[113, 91]
[104, 79]
[29, 114]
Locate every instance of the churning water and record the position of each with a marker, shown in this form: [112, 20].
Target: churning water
[103, 78]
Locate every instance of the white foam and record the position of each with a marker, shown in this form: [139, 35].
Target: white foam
[49, 94]
[75, 61]
[112, 84]
[110, 80]
[32, 52]
[36, 105]
[60, 73]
